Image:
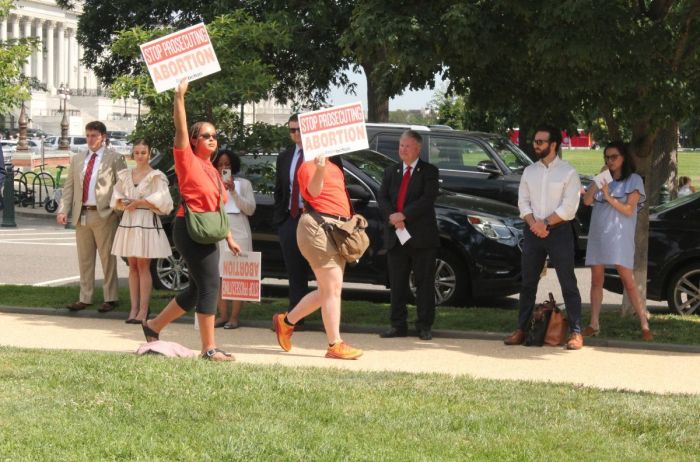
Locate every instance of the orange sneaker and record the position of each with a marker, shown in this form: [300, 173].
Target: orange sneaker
[342, 350]
[647, 336]
[284, 332]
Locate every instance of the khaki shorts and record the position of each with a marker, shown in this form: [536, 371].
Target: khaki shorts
[314, 244]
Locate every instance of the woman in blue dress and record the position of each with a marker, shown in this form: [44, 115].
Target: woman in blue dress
[611, 235]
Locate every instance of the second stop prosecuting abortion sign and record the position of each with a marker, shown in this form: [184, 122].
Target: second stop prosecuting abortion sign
[333, 131]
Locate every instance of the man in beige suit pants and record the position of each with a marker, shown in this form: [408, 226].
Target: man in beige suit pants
[86, 194]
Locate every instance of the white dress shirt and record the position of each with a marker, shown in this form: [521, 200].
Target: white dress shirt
[549, 189]
[92, 199]
[413, 166]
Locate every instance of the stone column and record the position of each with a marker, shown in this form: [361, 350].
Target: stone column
[3, 30]
[61, 39]
[15, 27]
[50, 73]
[28, 34]
[39, 53]
[72, 58]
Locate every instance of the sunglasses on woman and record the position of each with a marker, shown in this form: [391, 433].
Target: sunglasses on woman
[206, 136]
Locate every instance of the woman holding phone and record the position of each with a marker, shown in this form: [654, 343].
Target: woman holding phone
[611, 235]
[142, 193]
[240, 205]
[201, 188]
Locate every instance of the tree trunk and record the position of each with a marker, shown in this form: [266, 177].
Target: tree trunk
[377, 104]
[664, 163]
[656, 158]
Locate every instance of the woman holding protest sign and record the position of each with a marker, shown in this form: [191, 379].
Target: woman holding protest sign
[240, 205]
[322, 185]
[616, 199]
[201, 191]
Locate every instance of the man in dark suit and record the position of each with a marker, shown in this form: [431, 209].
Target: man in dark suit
[286, 214]
[407, 200]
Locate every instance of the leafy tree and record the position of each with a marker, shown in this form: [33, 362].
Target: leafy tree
[412, 117]
[397, 45]
[635, 65]
[14, 86]
[239, 41]
[304, 66]
[459, 113]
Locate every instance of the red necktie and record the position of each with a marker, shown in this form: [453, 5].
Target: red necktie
[88, 177]
[402, 189]
[294, 209]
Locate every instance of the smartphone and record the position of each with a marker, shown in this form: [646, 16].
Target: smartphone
[226, 174]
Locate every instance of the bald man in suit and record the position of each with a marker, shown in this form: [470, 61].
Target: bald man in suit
[86, 195]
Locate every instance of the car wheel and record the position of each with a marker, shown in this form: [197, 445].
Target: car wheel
[683, 293]
[170, 273]
[451, 281]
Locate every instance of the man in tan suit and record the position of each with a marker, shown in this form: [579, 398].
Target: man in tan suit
[87, 193]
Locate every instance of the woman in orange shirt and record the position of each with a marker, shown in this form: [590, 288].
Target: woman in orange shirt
[322, 185]
[201, 189]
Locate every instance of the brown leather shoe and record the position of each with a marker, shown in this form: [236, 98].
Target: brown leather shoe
[77, 306]
[647, 336]
[575, 342]
[107, 307]
[516, 338]
[590, 332]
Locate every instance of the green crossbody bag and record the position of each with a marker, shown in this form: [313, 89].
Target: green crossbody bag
[207, 227]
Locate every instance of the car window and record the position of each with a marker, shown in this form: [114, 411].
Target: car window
[388, 144]
[79, 140]
[371, 163]
[510, 154]
[456, 153]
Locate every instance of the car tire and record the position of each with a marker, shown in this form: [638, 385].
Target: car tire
[683, 292]
[170, 273]
[451, 280]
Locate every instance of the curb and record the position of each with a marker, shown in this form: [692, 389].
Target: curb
[355, 329]
[34, 213]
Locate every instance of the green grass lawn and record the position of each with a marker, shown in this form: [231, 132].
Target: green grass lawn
[589, 162]
[668, 328]
[82, 406]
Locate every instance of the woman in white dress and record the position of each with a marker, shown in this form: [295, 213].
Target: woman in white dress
[142, 193]
[239, 207]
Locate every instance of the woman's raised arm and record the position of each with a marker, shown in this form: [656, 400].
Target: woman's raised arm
[182, 139]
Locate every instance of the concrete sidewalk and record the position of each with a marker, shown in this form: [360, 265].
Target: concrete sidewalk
[596, 366]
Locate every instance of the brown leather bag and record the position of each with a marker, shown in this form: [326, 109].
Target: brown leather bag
[557, 329]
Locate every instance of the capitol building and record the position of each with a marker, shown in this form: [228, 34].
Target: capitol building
[57, 64]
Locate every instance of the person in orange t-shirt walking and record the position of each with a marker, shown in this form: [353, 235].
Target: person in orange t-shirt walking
[201, 188]
[322, 185]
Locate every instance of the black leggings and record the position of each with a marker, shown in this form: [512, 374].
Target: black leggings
[203, 264]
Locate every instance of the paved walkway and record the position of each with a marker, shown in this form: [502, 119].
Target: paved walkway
[601, 367]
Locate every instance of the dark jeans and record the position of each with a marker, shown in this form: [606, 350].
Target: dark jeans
[401, 260]
[559, 245]
[298, 269]
[203, 265]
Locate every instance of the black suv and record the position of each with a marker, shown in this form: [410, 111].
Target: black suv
[479, 256]
[477, 163]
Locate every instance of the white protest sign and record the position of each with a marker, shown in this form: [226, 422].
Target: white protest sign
[187, 53]
[333, 131]
[240, 276]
